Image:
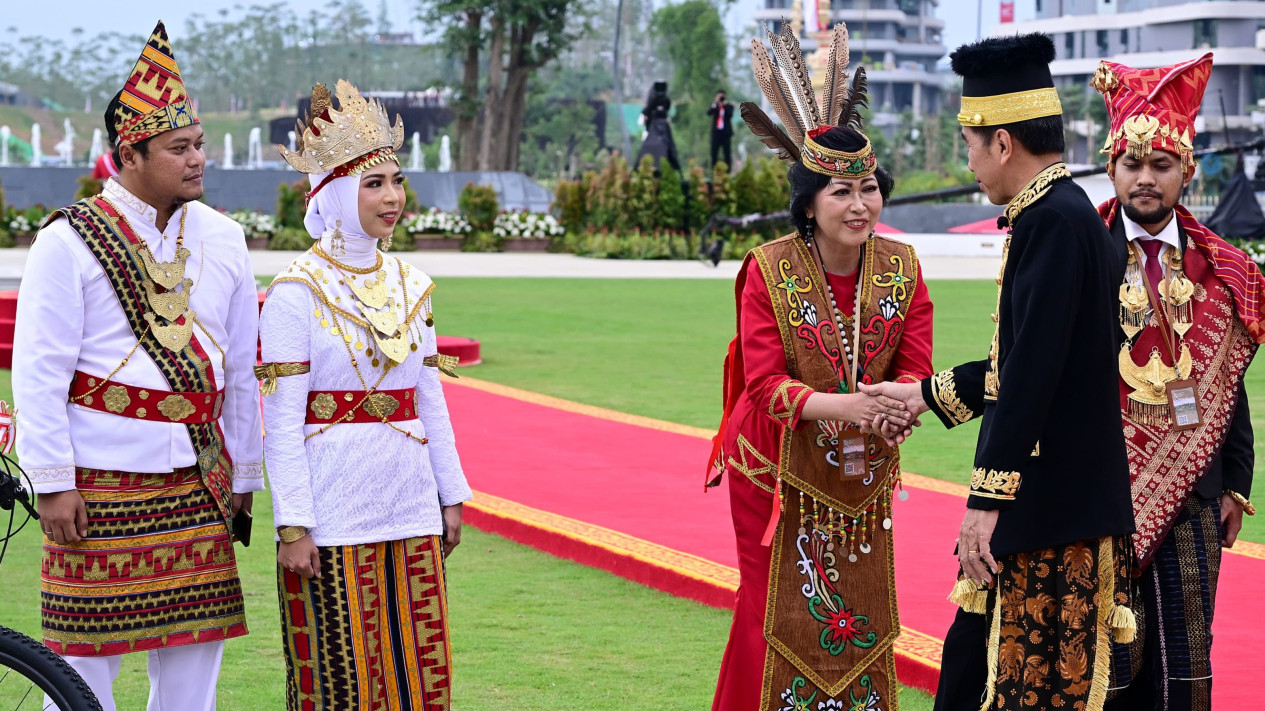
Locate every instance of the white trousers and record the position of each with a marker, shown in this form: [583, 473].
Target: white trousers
[180, 678]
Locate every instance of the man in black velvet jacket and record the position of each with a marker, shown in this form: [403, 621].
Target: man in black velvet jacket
[1045, 538]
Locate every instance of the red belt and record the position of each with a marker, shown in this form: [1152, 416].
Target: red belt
[326, 406]
[152, 404]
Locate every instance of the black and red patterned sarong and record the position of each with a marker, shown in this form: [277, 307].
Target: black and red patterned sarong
[371, 632]
[157, 569]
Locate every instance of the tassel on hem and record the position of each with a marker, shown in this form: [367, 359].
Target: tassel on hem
[968, 596]
[1123, 624]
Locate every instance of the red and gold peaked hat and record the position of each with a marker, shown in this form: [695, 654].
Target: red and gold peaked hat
[1153, 108]
[154, 100]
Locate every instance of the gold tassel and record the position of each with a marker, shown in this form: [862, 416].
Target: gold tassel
[969, 596]
[1123, 624]
[267, 375]
[1147, 414]
[447, 364]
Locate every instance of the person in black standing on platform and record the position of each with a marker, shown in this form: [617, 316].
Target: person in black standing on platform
[1045, 544]
[721, 113]
[658, 142]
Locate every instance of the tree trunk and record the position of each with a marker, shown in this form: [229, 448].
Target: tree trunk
[516, 108]
[493, 98]
[467, 114]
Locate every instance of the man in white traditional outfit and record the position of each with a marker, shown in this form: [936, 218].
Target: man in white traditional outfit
[133, 369]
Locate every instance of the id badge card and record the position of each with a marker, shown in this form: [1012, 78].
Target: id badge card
[854, 457]
[1184, 403]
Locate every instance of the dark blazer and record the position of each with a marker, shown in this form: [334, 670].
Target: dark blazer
[729, 119]
[1051, 452]
[1232, 467]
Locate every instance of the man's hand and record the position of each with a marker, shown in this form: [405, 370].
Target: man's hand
[243, 502]
[63, 516]
[974, 553]
[452, 518]
[301, 557]
[893, 433]
[1231, 520]
[909, 395]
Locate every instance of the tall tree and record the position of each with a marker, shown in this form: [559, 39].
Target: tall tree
[521, 36]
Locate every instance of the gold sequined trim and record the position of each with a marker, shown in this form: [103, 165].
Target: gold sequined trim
[993, 484]
[944, 391]
[1009, 108]
[1035, 190]
[782, 405]
[751, 464]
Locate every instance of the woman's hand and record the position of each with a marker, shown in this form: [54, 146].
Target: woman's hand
[452, 521]
[301, 557]
[862, 408]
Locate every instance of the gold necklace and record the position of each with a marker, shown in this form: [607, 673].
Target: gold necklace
[168, 306]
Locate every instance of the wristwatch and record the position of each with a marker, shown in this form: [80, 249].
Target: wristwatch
[290, 534]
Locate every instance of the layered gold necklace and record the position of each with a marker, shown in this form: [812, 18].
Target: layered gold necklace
[1172, 312]
[166, 307]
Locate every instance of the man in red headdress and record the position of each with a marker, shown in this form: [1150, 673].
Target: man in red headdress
[1191, 319]
[133, 365]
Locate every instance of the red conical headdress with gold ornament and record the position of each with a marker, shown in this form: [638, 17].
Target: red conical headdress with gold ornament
[154, 100]
[1153, 108]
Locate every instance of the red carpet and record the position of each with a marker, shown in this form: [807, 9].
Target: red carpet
[624, 494]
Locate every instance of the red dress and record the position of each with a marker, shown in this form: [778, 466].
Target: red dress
[765, 371]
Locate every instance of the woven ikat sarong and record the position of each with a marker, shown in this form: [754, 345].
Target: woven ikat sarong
[157, 569]
[371, 633]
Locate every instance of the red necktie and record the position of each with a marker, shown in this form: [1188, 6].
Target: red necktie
[1154, 270]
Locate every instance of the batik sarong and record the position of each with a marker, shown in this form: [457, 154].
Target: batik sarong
[1168, 665]
[371, 633]
[1049, 629]
[156, 570]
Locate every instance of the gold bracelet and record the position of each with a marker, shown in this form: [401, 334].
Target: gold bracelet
[1248, 508]
[290, 534]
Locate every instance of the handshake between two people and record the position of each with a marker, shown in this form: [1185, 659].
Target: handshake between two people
[889, 410]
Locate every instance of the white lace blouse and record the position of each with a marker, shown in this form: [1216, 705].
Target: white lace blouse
[354, 482]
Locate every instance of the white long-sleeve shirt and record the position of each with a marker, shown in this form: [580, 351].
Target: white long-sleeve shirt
[355, 482]
[69, 318]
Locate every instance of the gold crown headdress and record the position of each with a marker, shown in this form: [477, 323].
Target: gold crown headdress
[345, 140]
[784, 81]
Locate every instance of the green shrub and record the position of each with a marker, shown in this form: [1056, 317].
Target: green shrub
[291, 204]
[479, 241]
[479, 205]
[671, 199]
[290, 239]
[88, 187]
[410, 199]
[643, 203]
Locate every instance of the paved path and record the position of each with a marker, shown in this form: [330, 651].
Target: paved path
[518, 264]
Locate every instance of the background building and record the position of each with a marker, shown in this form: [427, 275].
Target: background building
[1154, 33]
[898, 41]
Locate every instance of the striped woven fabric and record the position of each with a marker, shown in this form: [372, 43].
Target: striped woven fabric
[157, 569]
[371, 632]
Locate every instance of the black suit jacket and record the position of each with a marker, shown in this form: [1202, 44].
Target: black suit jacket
[1051, 452]
[729, 119]
[1232, 467]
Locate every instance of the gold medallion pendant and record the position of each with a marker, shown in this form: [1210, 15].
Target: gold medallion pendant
[395, 347]
[1148, 403]
[1178, 291]
[172, 335]
[373, 293]
[168, 275]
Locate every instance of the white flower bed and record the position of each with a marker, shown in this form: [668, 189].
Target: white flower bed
[20, 224]
[436, 221]
[527, 225]
[1256, 251]
[255, 224]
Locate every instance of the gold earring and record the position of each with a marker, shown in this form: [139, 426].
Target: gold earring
[337, 244]
[386, 243]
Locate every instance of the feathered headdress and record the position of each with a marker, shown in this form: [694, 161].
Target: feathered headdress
[783, 78]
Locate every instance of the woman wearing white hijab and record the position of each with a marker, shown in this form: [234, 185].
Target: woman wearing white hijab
[367, 486]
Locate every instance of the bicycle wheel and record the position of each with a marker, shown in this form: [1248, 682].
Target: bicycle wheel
[29, 671]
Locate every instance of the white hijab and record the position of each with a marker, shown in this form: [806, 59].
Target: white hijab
[336, 207]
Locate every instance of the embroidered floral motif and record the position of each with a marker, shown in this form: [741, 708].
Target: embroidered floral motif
[793, 285]
[840, 625]
[993, 484]
[945, 392]
[895, 279]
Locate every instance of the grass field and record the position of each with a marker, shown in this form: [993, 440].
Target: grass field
[529, 631]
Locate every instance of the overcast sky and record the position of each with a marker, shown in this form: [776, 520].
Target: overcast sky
[131, 17]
